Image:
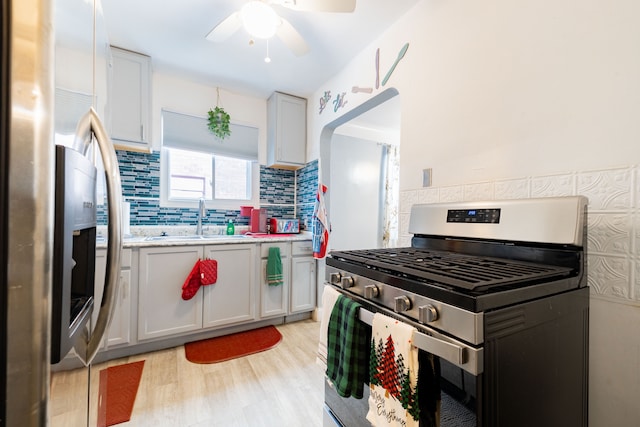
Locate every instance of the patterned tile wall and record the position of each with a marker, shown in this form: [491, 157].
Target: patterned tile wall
[613, 248]
[277, 186]
[306, 189]
[140, 175]
[277, 192]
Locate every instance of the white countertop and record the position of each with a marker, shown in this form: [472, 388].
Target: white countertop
[135, 241]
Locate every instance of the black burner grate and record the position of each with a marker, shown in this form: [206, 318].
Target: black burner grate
[454, 269]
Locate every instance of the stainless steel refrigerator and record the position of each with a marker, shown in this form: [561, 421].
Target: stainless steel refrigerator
[54, 76]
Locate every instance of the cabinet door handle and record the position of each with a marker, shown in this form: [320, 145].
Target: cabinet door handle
[142, 133]
[124, 289]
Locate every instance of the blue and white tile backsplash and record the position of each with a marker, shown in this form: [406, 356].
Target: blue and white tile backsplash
[306, 189]
[284, 193]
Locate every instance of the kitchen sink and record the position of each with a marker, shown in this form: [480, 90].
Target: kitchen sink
[222, 236]
[193, 237]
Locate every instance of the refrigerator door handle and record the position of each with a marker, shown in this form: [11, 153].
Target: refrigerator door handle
[91, 122]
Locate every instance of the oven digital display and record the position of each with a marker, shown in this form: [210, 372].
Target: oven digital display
[484, 216]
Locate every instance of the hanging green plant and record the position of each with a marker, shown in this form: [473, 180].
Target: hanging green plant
[219, 119]
[219, 122]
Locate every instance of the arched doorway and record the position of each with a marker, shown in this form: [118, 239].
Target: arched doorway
[358, 163]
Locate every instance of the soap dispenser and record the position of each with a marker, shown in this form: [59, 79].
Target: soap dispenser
[230, 228]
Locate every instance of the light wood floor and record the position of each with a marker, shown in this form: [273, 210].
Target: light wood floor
[279, 387]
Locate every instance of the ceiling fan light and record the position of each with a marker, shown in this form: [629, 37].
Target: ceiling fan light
[259, 19]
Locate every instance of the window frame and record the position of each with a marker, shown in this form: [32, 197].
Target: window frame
[221, 204]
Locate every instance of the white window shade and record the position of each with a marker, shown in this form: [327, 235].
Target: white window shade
[192, 133]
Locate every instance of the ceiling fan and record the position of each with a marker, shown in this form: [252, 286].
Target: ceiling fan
[260, 20]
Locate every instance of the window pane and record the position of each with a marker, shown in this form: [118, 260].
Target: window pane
[189, 174]
[232, 178]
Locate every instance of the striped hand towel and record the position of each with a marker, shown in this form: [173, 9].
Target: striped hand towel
[274, 267]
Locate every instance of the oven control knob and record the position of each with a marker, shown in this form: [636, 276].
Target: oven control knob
[334, 278]
[402, 303]
[346, 282]
[427, 313]
[371, 291]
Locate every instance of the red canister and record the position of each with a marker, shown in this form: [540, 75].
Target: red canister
[258, 222]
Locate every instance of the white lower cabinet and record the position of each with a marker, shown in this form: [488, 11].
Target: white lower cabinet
[150, 291]
[119, 332]
[303, 277]
[240, 295]
[232, 299]
[161, 309]
[274, 299]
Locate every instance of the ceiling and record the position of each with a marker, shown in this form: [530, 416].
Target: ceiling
[173, 33]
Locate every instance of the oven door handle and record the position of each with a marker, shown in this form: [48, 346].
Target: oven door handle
[443, 349]
[446, 350]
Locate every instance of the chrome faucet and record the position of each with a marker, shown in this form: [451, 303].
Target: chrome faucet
[201, 213]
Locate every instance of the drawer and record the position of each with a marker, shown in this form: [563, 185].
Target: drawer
[284, 249]
[125, 258]
[304, 248]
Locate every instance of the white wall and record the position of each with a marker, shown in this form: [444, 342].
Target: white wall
[180, 94]
[498, 88]
[520, 99]
[357, 199]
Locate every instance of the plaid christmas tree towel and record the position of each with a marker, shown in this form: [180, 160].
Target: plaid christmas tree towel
[393, 401]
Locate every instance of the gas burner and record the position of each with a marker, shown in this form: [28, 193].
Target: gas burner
[474, 273]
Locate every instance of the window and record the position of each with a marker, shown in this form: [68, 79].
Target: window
[232, 178]
[190, 174]
[194, 175]
[195, 165]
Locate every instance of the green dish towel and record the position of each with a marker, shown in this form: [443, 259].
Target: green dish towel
[348, 348]
[274, 267]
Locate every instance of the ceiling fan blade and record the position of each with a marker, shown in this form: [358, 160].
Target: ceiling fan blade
[338, 6]
[225, 29]
[292, 38]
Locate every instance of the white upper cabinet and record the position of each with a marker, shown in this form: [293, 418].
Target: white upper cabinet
[286, 131]
[130, 95]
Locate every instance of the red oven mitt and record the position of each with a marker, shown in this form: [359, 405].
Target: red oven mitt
[192, 283]
[208, 271]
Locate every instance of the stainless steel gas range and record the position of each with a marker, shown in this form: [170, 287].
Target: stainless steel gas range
[497, 291]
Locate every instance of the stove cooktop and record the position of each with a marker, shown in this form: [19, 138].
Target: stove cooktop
[457, 270]
[471, 282]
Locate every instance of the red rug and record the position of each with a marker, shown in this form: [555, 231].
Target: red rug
[118, 389]
[229, 347]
